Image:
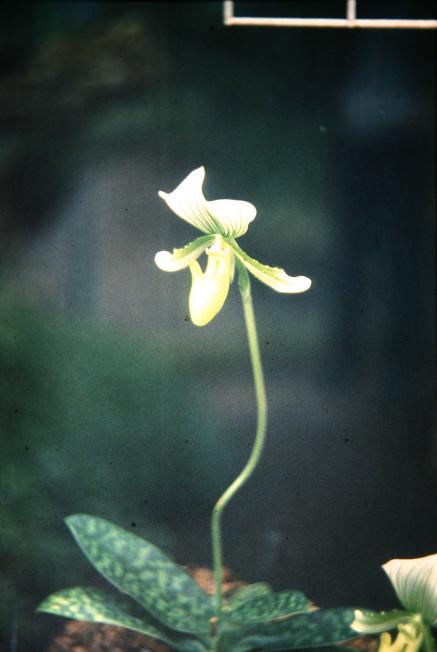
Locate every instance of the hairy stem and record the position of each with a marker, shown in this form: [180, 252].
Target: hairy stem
[258, 376]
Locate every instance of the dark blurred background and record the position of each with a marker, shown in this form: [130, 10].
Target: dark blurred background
[112, 402]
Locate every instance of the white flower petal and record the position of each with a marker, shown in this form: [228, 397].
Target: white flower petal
[415, 583]
[228, 217]
[275, 277]
[180, 258]
[188, 202]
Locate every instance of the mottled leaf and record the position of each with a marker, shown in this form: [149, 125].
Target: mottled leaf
[95, 606]
[141, 570]
[268, 607]
[243, 594]
[314, 629]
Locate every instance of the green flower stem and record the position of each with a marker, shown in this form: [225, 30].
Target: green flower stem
[217, 550]
[428, 641]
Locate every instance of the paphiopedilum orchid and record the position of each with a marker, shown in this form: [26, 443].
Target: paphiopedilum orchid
[409, 639]
[222, 221]
[415, 584]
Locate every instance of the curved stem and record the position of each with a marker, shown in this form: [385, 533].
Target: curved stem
[258, 376]
[428, 642]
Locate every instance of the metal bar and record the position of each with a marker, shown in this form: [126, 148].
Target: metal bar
[351, 10]
[365, 23]
[228, 12]
[351, 21]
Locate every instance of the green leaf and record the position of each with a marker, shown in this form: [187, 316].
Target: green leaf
[268, 607]
[245, 593]
[95, 606]
[141, 570]
[314, 629]
[373, 622]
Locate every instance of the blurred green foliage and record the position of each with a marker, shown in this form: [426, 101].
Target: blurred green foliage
[92, 422]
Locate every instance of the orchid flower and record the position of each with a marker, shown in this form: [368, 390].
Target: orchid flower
[415, 584]
[407, 640]
[221, 221]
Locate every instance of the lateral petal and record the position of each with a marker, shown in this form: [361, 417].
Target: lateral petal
[274, 277]
[180, 258]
